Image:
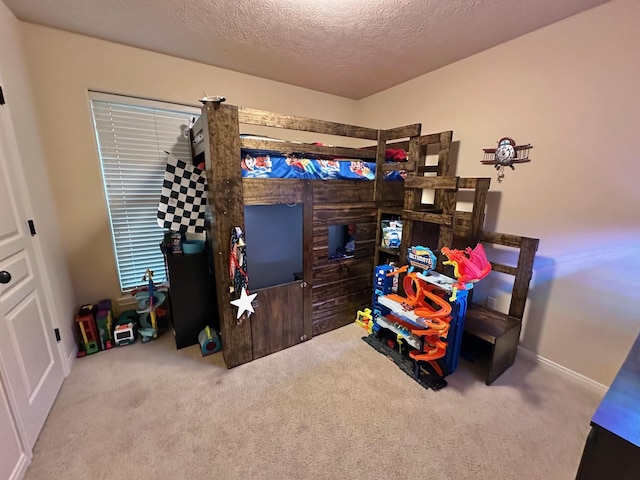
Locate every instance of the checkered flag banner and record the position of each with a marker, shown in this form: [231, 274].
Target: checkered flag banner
[183, 200]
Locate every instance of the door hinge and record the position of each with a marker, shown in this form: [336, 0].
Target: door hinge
[56, 331]
[32, 227]
[2, 102]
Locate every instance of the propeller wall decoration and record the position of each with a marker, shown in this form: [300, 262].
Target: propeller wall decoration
[505, 155]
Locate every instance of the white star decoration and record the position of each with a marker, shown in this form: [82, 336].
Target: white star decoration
[244, 303]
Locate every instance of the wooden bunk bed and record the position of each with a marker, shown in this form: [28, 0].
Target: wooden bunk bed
[329, 292]
[326, 294]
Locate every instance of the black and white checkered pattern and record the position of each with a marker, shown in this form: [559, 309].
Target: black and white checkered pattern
[183, 200]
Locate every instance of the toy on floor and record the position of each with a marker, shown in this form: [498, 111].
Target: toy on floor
[426, 315]
[124, 333]
[412, 330]
[149, 302]
[87, 332]
[469, 266]
[365, 319]
[104, 323]
[421, 331]
[87, 328]
[209, 341]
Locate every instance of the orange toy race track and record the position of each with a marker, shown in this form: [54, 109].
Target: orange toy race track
[419, 298]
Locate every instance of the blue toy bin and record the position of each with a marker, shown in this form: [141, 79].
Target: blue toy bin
[192, 246]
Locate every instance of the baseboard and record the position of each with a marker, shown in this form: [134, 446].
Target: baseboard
[21, 469]
[71, 357]
[592, 384]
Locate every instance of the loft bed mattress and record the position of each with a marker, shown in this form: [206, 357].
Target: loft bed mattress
[256, 164]
[272, 164]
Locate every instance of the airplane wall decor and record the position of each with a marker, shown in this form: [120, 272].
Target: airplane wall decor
[505, 155]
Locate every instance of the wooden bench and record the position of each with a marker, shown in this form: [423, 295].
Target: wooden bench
[502, 330]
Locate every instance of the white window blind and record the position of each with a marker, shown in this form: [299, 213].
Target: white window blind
[133, 136]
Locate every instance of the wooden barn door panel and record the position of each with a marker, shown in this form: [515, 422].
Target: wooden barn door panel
[278, 321]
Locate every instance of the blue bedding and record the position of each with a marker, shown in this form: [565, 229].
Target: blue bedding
[260, 164]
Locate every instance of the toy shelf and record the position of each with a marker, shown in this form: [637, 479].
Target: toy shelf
[392, 211]
[394, 321]
[386, 249]
[390, 251]
[192, 305]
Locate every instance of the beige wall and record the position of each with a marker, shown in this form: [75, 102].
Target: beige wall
[571, 90]
[16, 87]
[64, 67]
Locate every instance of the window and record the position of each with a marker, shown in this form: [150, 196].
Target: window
[133, 137]
[342, 241]
[274, 243]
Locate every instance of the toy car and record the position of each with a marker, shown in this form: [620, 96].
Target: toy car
[124, 334]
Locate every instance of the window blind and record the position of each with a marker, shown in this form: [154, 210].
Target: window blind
[132, 137]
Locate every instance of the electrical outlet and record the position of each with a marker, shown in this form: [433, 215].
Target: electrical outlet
[491, 303]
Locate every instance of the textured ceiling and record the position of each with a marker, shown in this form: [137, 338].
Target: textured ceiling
[352, 48]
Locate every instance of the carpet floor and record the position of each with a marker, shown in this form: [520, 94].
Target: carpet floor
[330, 408]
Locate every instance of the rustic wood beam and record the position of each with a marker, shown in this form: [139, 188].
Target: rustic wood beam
[528, 248]
[307, 258]
[250, 116]
[444, 146]
[504, 239]
[428, 139]
[290, 147]
[498, 267]
[436, 218]
[414, 160]
[225, 196]
[380, 159]
[394, 167]
[402, 132]
[444, 183]
[270, 191]
[481, 186]
[427, 169]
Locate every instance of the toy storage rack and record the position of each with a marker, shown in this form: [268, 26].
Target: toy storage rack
[383, 305]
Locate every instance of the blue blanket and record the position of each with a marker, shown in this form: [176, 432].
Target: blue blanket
[260, 164]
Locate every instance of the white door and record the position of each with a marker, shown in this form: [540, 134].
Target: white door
[14, 459]
[30, 366]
